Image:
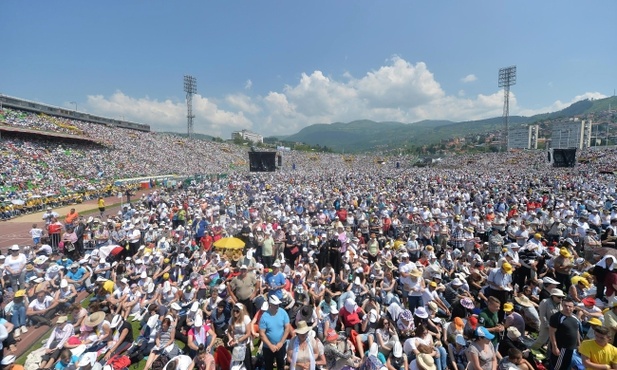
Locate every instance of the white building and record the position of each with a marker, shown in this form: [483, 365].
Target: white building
[247, 135]
[574, 134]
[523, 138]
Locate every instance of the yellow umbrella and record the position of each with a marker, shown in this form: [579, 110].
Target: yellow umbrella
[229, 243]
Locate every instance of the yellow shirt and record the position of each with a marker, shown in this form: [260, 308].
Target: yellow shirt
[101, 203]
[606, 355]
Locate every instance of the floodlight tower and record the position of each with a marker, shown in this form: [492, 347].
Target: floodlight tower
[190, 88]
[507, 78]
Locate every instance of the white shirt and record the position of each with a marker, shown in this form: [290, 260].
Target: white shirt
[39, 306]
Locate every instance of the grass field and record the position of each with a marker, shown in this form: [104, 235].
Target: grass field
[39, 343]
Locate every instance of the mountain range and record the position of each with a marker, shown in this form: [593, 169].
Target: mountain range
[367, 135]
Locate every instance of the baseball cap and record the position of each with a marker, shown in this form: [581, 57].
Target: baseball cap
[483, 332]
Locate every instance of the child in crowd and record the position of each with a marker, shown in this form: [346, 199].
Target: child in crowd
[36, 233]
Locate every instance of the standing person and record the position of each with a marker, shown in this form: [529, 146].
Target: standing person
[71, 217]
[564, 336]
[14, 266]
[239, 333]
[243, 289]
[101, 205]
[562, 265]
[275, 280]
[268, 249]
[500, 282]
[303, 349]
[495, 244]
[36, 233]
[274, 327]
[134, 238]
[548, 307]
[54, 229]
[599, 353]
[601, 271]
[49, 215]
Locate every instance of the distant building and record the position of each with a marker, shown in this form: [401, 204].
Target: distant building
[247, 135]
[523, 138]
[573, 134]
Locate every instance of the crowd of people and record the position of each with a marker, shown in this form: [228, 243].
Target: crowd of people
[481, 262]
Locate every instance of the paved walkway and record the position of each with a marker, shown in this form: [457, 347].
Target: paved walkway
[15, 230]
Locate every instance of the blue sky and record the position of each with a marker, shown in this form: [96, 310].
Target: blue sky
[274, 67]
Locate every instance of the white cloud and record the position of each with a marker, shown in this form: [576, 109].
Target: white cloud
[559, 105]
[169, 115]
[398, 91]
[469, 78]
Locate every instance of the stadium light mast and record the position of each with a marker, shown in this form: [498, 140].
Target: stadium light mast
[507, 78]
[190, 88]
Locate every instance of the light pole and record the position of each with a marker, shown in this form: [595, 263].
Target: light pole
[75, 103]
[190, 88]
[507, 78]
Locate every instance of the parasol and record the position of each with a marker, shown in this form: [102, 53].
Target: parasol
[229, 243]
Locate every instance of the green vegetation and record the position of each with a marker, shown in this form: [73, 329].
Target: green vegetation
[429, 135]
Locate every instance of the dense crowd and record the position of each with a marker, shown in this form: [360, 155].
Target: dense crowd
[481, 262]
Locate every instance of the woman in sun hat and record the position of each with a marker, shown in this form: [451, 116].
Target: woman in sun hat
[302, 349]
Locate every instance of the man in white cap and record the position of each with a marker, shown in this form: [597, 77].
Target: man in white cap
[275, 280]
[49, 215]
[274, 328]
[56, 341]
[243, 288]
[548, 284]
[548, 307]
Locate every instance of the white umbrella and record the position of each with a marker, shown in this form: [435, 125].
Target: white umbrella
[17, 202]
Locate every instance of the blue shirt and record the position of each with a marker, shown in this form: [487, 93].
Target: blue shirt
[65, 263]
[76, 275]
[62, 366]
[276, 280]
[274, 325]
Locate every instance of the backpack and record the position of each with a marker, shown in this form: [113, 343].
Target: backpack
[160, 362]
[119, 362]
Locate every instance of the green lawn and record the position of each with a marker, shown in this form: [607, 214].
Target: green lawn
[39, 343]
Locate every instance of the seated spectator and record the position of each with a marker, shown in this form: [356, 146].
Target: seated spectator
[56, 341]
[77, 275]
[42, 309]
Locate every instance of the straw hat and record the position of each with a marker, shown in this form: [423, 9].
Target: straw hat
[416, 273]
[95, 319]
[303, 328]
[523, 301]
[426, 361]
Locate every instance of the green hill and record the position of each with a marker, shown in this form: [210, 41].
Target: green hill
[366, 135]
